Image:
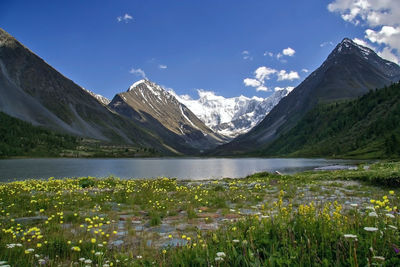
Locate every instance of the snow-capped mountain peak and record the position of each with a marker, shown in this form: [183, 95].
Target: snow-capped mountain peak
[230, 116]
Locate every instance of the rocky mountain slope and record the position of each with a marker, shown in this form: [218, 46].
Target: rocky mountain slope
[351, 70]
[33, 91]
[152, 107]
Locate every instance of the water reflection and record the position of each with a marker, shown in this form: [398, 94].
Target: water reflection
[181, 168]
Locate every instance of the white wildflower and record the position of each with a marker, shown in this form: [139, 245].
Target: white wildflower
[235, 241]
[370, 229]
[372, 214]
[390, 215]
[88, 261]
[219, 259]
[221, 254]
[350, 236]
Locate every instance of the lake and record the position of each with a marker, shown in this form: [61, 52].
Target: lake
[181, 168]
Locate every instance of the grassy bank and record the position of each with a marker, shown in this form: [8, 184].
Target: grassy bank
[312, 218]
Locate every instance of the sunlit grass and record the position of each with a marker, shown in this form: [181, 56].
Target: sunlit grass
[312, 218]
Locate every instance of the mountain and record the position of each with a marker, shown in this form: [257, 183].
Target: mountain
[102, 99]
[230, 116]
[33, 91]
[152, 107]
[19, 138]
[349, 71]
[367, 127]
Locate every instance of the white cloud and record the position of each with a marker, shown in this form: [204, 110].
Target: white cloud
[289, 88]
[251, 82]
[162, 66]
[138, 72]
[373, 12]
[126, 18]
[326, 44]
[279, 55]
[305, 70]
[387, 35]
[246, 55]
[388, 54]
[262, 88]
[283, 75]
[364, 43]
[270, 54]
[263, 73]
[380, 17]
[288, 52]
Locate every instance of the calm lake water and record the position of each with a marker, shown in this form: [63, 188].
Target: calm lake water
[181, 168]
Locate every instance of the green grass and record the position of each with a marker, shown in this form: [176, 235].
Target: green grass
[303, 219]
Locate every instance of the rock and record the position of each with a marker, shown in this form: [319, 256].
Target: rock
[182, 226]
[163, 228]
[209, 215]
[174, 242]
[139, 228]
[116, 243]
[31, 219]
[124, 217]
[122, 233]
[207, 227]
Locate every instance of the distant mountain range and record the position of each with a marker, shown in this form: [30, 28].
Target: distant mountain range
[152, 107]
[230, 117]
[153, 119]
[350, 71]
[31, 90]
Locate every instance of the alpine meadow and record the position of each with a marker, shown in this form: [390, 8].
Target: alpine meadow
[199, 133]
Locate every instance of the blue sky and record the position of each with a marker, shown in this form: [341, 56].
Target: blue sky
[215, 45]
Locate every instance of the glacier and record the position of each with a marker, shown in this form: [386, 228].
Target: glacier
[230, 116]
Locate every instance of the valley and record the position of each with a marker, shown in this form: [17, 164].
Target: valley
[148, 120]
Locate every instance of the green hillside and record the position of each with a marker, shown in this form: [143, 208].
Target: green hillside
[368, 127]
[22, 139]
[19, 138]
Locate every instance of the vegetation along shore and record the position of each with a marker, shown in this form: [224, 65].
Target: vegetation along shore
[319, 218]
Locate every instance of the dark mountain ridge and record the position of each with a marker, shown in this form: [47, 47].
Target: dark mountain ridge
[349, 71]
[367, 127]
